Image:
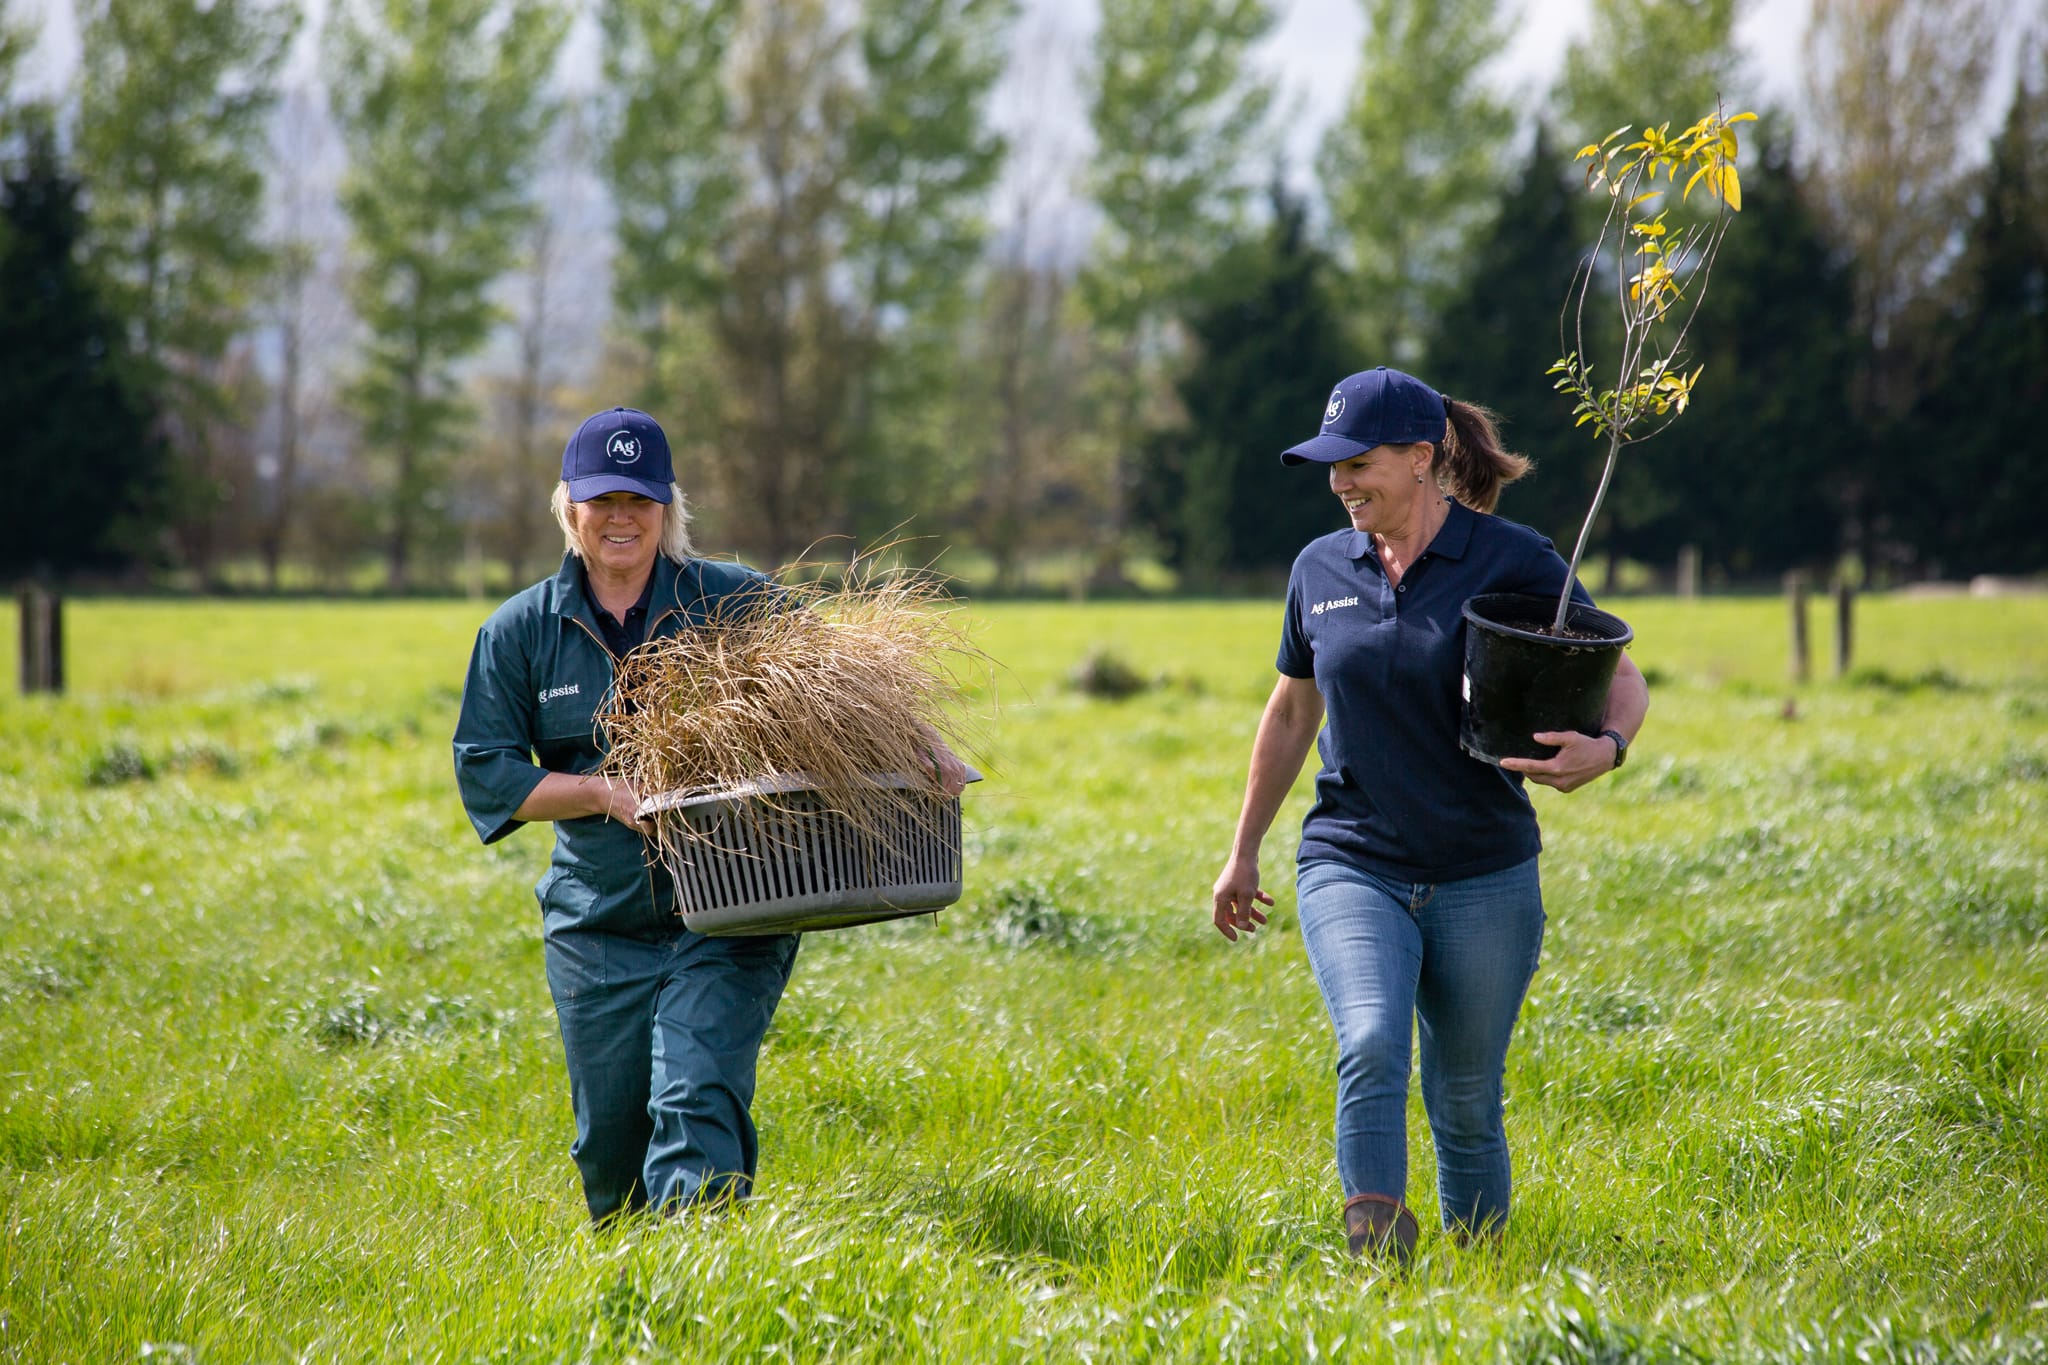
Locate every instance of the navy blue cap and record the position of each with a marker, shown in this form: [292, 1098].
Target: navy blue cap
[619, 451]
[1373, 408]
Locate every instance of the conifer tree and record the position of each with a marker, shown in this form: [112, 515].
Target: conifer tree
[1267, 343]
[1983, 513]
[1493, 339]
[82, 464]
[1755, 473]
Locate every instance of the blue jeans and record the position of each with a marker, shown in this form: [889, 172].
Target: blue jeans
[661, 1039]
[1455, 956]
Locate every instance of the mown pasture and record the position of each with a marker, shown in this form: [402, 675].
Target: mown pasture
[281, 1079]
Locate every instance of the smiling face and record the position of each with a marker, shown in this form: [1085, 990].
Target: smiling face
[1384, 489]
[617, 533]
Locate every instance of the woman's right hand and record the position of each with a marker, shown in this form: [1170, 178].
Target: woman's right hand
[568, 796]
[1237, 899]
[621, 803]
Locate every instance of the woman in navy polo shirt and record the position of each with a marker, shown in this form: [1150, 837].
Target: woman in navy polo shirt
[1417, 886]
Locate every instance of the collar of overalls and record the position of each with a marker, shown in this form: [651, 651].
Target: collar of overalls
[675, 587]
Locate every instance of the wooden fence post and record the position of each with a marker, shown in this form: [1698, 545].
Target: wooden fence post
[1795, 598]
[42, 640]
[1845, 629]
[1688, 571]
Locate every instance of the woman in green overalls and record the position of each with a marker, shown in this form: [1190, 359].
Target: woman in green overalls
[661, 1026]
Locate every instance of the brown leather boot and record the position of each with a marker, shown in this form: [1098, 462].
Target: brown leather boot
[1380, 1225]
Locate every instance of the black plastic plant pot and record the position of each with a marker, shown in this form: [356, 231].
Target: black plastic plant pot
[1520, 680]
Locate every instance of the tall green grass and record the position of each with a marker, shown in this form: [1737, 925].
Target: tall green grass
[281, 1079]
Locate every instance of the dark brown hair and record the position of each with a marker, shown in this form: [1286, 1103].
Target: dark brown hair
[1472, 463]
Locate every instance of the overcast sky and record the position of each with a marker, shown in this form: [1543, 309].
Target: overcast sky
[1314, 51]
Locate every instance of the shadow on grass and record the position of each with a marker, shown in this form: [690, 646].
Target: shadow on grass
[1068, 1234]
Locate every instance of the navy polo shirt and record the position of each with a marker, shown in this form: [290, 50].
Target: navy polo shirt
[620, 637]
[1396, 795]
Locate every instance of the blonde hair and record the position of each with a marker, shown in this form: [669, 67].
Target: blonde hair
[675, 523]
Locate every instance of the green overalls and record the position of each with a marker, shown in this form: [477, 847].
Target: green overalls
[661, 1026]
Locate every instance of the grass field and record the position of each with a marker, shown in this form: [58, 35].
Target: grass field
[279, 1078]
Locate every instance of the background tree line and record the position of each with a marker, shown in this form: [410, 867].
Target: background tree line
[317, 308]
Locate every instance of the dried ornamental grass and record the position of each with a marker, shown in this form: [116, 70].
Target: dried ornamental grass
[838, 688]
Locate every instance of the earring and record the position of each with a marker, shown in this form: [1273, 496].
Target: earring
[1418, 478]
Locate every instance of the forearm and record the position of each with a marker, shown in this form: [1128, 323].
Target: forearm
[569, 796]
[1628, 700]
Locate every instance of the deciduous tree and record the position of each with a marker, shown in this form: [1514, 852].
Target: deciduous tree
[1492, 340]
[304, 309]
[922, 160]
[797, 255]
[1676, 56]
[1179, 117]
[1893, 88]
[17, 36]
[672, 170]
[1983, 512]
[1412, 167]
[443, 107]
[172, 98]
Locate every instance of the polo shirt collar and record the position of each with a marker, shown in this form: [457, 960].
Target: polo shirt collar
[1452, 538]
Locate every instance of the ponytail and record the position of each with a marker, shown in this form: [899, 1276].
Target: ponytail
[1472, 463]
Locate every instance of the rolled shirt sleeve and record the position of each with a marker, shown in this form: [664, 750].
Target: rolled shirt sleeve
[494, 765]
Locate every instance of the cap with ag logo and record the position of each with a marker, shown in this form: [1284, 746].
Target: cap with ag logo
[1373, 408]
[622, 450]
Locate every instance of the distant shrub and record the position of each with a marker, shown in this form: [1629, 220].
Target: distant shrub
[205, 755]
[1103, 674]
[288, 689]
[1878, 678]
[316, 732]
[361, 1017]
[118, 763]
[36, 979]
[1027, 913]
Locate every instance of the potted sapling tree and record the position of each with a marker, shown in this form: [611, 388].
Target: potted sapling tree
[1532, 664]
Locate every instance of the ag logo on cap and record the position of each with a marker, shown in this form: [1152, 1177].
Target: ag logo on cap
[1336, 408]
[623, 447]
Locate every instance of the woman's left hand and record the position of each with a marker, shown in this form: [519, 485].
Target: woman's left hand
[1578, 760]
[949, 773]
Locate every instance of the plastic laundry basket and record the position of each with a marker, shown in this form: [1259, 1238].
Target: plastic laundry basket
[774, 857]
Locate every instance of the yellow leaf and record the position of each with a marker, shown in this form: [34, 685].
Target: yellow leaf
[1731, 187]
[1743, 118]
[1696, 179]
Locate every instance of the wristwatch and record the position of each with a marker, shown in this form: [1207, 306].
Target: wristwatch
[1620, 746]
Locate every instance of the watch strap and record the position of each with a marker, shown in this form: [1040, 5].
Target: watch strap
[1620, 745]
